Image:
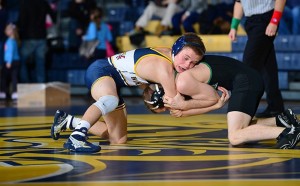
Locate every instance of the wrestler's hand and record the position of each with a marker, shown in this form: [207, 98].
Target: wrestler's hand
[176, 102]
[176, 113]
[223, 98]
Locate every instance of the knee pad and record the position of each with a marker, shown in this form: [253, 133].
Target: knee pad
[107, 104]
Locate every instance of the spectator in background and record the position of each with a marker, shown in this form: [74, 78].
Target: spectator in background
[98, 30]
[262, 19]
[290, 22]
[164, 9]
[32, 29]
[192, 10]
[3, 21]
[79, 12]
[216, 19]
[13, 7]
[11, 62]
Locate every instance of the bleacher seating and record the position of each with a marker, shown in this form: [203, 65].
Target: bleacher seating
[213, 43]
[76, 77]
[56, 75]
[69, 67]
[288, 61]
[283, 78]
[125, 27]
[116, 14]
[239, 44]
[287, 43]
[68, 60]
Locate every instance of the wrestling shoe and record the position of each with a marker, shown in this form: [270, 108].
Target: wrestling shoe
[77, 142]
[289, 138]
[292, 117]
[59, 124]
[287, 119]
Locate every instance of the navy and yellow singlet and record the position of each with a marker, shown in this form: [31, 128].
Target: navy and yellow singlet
[121, 67]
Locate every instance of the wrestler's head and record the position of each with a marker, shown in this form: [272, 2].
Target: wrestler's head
[187, 51]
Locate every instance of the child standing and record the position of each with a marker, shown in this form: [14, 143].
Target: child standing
[99, 30]
[11, 63]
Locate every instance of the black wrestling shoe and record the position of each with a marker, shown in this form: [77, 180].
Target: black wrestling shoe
[59, 124]
[267, 114]
[77, 142]
[289, 138]
[292, 117]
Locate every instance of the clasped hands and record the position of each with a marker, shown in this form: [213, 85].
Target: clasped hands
[178, 104]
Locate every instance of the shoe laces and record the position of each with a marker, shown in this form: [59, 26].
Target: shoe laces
[294, 116]
[296, 119]
[284, 117]
[62, 118]
[292, 130]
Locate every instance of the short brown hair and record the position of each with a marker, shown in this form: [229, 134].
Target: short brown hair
[195, 42]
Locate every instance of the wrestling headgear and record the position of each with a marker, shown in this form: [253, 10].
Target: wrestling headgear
[181, 42]
[156, 100]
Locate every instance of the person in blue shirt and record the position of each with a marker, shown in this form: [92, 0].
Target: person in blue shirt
[11, 60]
[98, 30]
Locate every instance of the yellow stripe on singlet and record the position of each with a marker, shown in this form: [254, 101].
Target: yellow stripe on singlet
[163, 55]
[159, 54]
[99, 79]
[119, 107]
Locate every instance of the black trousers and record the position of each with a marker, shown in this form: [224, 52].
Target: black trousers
[260, 54]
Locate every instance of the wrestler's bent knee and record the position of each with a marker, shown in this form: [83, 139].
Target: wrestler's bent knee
[106, 104]
[234, 140]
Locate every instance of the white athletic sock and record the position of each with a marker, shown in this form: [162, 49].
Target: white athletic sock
[83, 123]
[72, 122]
[75, 122]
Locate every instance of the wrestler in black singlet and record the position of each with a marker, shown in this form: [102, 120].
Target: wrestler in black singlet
[245, 83]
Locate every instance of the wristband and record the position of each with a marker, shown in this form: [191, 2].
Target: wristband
[235, 23]
[276, 17]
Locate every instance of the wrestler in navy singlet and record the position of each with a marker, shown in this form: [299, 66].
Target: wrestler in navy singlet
[121, 67]
[245, 83]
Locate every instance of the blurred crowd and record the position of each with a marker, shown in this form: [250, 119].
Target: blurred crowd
[32, 29]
